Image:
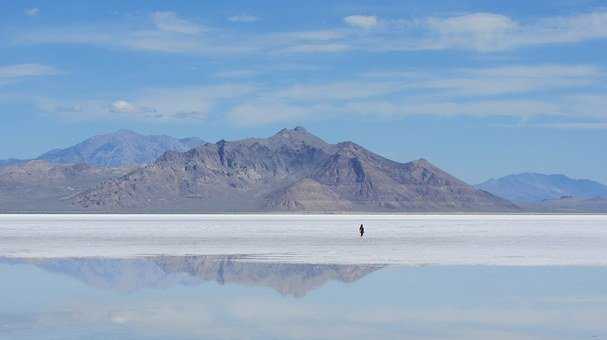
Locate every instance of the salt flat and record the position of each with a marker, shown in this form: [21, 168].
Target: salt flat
[526, 240]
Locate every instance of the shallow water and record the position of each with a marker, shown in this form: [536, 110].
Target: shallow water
[227, 298]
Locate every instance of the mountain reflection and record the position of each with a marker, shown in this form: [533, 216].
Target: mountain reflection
[128, 275]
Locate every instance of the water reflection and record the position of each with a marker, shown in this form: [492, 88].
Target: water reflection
[226, 297]
[128, 275]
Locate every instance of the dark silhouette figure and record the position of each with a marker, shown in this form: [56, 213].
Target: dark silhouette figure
[362, 230]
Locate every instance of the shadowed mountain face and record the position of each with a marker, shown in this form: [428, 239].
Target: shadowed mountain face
[535, 188]
[119, 149]
[290, 171]
[165, 271]
[41, 186]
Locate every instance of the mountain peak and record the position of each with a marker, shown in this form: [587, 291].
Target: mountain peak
[298, 130]
[298, 136]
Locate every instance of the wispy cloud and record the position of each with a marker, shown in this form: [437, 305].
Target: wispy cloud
[499, 80]
[243, 18]
[521, 91]
[481, 32]
[361, 21]
[566, 126]
[170, 22]
[32, 12]
[13, 73]
[510, 91]
[26, 70]
[490, 32]
[195, 102]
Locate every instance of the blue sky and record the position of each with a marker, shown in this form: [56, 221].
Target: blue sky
[480, 88]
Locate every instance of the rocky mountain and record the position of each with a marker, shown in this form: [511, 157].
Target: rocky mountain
[535, 188]
[290, 171]
[121, 148]
[41, 186]
[128, 275]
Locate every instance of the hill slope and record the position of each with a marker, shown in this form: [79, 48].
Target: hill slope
[44, 187]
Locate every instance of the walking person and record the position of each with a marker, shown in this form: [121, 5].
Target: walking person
[361, 230]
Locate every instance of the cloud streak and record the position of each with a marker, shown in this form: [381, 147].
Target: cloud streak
[246, 18]
[521, 91]
[32, 12]
[480, 32]
[26, 70]
[170, 22]
[361, 21]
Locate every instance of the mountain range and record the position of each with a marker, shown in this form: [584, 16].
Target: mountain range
[549, 193]
[534, 187]
[292, 170]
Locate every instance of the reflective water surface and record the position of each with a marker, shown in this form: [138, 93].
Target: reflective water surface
[229, 297]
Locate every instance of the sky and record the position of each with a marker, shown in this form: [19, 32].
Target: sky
[481, 89]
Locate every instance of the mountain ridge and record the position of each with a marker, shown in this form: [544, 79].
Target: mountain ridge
[290, 171]
[120, 148]
[529, 187]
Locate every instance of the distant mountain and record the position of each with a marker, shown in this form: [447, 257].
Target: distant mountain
[533, 187]
[128, 275]
[290, 171]
[11, 161]
[43, 187]
[569, 204]
[120, 148]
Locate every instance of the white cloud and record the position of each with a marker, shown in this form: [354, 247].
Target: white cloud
[183, 103]
[567, 126]
[170, 22]
[123, 106]
[336, 91]
[498, 91]
[500, 80]
[481, 32]
[26, 70]
[556, 90]
[477, 23]
[540, 71]
[243, 18]
[361, 21]
[493, 32]
[32, 12]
